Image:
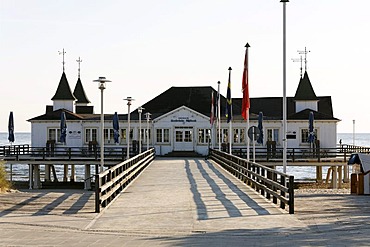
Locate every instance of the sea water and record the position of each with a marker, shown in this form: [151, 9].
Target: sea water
[20, 172]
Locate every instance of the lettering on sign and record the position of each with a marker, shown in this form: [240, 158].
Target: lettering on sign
[183, 120]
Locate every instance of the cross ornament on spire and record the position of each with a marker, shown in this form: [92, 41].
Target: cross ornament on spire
[79, 61]
[62, 52]
[305, 57]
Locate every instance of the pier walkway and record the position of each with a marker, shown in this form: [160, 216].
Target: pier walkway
[182, 202]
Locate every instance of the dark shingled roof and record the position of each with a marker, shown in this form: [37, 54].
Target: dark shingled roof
[80, 94]
[63, 91]
[305, 90]
[55, 115]
[272, 108]
[195, 98]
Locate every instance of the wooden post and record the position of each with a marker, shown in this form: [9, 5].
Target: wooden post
[87, 177]
[360, 184]
[291, 194]
[340, 177]
[65, 173]
[282, 193]
[353, 183]
[319, 174]
[334, 181]
[97, 193]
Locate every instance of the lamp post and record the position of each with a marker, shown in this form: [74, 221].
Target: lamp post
[140, 110]
[284, 89]
[102, 81]
[129, 99]
[354, 132]
[147, 116]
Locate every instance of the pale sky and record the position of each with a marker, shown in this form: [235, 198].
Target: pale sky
[144, 47]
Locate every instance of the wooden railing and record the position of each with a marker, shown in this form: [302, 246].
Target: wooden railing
[17, 152]
[267, 181]
[111, 182]
[342, 152]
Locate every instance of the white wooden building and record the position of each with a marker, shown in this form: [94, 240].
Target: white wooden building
[180, 120]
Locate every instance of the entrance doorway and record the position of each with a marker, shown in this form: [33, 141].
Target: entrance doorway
[183, 139]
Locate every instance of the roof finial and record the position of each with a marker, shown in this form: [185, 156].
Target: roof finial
[62, 52]
[305, 57]
[79, 61]
[299, 60]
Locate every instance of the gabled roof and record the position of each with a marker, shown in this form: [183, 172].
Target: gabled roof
[304, 115]
[55, 115]
[195, 98]
[272, 108]
[305, 90]
[63, 91]
[80, 94]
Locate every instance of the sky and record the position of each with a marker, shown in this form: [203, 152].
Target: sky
[145, 47]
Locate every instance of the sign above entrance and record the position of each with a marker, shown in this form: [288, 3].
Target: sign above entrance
[183, 120]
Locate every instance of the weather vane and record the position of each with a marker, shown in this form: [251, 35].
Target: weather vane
[301, 60]
[79, 61]
[62, 52]
[298, 60]
[305, 57]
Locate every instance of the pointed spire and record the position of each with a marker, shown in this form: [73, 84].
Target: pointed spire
[305, 90]
[63, 91]
[80, 94]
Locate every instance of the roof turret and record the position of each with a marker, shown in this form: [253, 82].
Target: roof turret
[80, 94]
[63, 91]
[305, 90]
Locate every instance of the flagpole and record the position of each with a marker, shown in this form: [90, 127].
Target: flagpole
[219, 116]
[248, 141]
[230, 110]
[246, 101]
[284, 90]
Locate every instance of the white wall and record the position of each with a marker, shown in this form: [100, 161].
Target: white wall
[302, 105]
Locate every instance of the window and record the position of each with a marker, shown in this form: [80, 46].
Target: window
[91, 134]
[239, 135]
[273, 135]
[224, 135]
[53, 134]
[123, 135]
[305, 133]
[108, 136]
[144, 135]
[163, 135]
[204, 136]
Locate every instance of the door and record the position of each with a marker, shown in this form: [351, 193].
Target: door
[183, 139]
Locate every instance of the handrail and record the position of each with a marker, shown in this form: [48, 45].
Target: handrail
[109, 183]
[17, 152]
[265, 180]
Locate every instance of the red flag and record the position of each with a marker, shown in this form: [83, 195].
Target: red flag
[212, 118]
[245, 102]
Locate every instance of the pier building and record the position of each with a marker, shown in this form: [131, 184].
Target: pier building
[180, 120]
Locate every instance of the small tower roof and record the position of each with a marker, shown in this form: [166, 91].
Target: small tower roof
[80, 94]
[63, 91]
[305, 90]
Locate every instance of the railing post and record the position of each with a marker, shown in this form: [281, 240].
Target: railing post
[282, 193]
[291, 194]
[262, 181]
[97, 193]
[274, 178]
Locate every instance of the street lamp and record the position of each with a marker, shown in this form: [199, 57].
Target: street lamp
[284, 89]
[102, 82]
[354, 132]
[140, 110]
[129, 99]
[147, 116]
